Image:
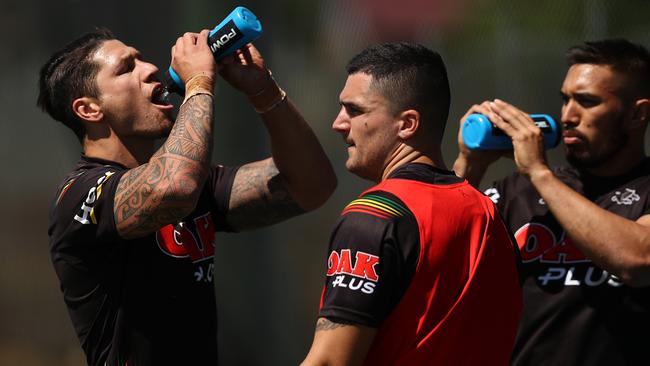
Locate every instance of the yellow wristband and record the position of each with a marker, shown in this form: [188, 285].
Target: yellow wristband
[198, 84]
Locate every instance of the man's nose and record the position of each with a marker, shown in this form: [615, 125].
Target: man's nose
[570, 114]
[341, 122]
[149, 70]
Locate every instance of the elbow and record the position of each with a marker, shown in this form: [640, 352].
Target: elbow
[636, 276]
[634, 280]
[636, 273]
[326, 189]
[181, 198]
[319, 193]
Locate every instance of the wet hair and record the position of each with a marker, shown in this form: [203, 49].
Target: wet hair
[623, 56]
[409, 76]
[70, 73]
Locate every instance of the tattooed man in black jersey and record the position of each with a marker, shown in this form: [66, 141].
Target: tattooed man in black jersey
[132, 228]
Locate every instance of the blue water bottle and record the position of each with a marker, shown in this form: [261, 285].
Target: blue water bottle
[480, 134]
[240, 27]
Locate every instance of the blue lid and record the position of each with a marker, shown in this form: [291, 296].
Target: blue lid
[247, 19]
[475, 128]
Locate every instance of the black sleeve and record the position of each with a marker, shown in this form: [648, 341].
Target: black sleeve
[85, 203]
[87, 253]
[373, 254]
[220, 183]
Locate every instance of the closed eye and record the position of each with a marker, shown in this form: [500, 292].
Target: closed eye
[587, 101]
[584, 100]
[126, 66]
[127, 62]
[352, 109]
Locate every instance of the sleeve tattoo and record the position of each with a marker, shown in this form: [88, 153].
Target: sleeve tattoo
[260, 197]
[160, 192]
[323, 324]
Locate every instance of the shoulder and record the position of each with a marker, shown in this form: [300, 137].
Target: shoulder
[512, 186]
[372, 256]
[642, 174]
[85, 197]
[373, 210]
[376, 216]
[86, 181]
[378, 203]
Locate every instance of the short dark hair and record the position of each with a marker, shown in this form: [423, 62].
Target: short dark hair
[70, 73]
[410, 76]
[623, 56]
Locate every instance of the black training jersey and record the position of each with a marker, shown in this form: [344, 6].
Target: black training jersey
[148, 301]
[575, 313]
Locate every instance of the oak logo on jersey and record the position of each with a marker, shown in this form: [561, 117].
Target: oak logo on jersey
[362, 272]
[537, 242]
[87, 210]
[188, 241]
[566, 263]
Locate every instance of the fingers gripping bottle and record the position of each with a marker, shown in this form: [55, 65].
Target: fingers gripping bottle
[480, 134]
[240, 27]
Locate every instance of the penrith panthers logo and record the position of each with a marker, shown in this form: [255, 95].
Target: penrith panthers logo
[362, 273]
[626, 198]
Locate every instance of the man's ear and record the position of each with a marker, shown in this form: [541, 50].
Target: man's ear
[409, 122]
[88, 109]
[641, 112]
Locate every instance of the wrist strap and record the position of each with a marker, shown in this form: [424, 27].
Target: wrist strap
[198, 84]
[275, 104]
[269, 98]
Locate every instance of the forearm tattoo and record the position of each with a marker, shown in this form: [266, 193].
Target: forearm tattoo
[155, 194]
[260, 197]
[323, 324]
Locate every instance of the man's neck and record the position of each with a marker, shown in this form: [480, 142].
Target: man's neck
[128, 152]
[406, 154]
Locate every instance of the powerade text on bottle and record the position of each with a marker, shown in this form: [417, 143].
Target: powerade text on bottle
[480, 134]
[240, 27]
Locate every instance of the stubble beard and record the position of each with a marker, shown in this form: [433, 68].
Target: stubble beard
[363, 170]
[589, 159]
